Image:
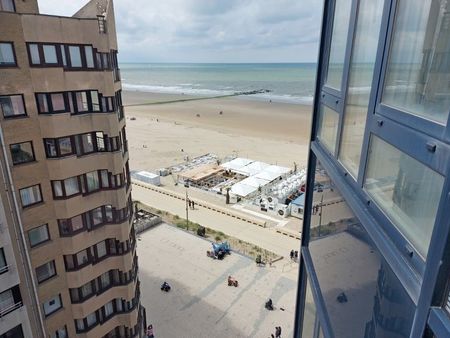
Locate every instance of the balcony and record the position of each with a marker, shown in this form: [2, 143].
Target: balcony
[9, 308]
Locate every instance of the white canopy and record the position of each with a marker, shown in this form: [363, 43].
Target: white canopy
[242, 190]
[254, 182]
[253, 168]
[236, 164]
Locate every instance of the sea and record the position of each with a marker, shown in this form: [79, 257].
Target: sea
[286, 82]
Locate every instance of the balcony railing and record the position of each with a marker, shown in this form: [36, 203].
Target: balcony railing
[10, 308]
[4, 269]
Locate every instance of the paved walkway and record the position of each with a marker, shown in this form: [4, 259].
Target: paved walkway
[200, 304]
[267, 238]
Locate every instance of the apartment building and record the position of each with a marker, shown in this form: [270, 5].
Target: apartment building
[66, 183]
[375, 245]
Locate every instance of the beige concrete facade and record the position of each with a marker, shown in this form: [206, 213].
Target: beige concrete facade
[24, 27]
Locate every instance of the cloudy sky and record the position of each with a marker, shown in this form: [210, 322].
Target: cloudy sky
[211, 30]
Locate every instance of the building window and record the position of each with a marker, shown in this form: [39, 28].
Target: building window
[82, 103]
[45, 271]
[75, 57]
[338, 43]
[60, 333]
[50, 54]
[31, 195]
[311, 326]
[51, 103]
[66, 188]
[3, 264]
[89, 56]
[34, 54]
[406, 190]
[52, 305]
[15, 332]
[59, 147]
[419, 64]
[22, 152]
[7, 6]
[38, 235]
[360, 83]
[7, 57]
[12, 106]
[328, 127]
[10, 300]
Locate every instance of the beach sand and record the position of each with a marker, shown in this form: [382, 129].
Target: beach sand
[164, 134]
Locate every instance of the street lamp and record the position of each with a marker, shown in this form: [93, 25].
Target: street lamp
[186, 185]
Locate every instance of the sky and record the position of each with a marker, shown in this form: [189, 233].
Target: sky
[211, 30]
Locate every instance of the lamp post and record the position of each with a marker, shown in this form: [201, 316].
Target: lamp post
[186, 185]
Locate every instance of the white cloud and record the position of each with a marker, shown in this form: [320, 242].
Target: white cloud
[211, 30]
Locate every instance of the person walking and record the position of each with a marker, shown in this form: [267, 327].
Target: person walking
[278, 332]
[292, 254]
[149, 332]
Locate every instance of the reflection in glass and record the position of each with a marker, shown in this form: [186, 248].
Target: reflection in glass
[360, 82]
[419, 63]
[362, 295]
[338, 43]
[406, 190]
[328, 126]
[310, 320]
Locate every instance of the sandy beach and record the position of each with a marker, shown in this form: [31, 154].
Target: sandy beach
[160, 135]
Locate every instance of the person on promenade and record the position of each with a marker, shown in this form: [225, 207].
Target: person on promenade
[292, 254]
[149, 332]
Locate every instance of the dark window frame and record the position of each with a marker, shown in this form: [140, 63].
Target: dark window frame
[10, 65]
[5, 268]
[46, 315]
[48, 100]
[15, 10]
[25, 114]
[49, 277]
[16, 329]
[24, 162]
[35, 203]
[43, 242]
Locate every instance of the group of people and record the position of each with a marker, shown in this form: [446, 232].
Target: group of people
[294, 255]
[277, 332]
[191, 204]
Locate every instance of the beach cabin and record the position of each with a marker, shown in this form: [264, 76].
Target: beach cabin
[297, 206]
[147, 177]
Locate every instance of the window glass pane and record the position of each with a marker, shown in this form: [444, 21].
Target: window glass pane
[100, 141]
[310, 319]
[71, 186]
[65, 145]
[6, 300]
[38, 235]
[82, 102]
[105, 60]
[75, 56]
[34, 53]
[357, 285]
[12, 105]
[57, 188]
[109, 309]
[417, 79]
[45, 271]
[42, 103]
[50, 54]
[77, 223]
[95, 101]
[104, 176]
[89, 56]
[52, 305]
[105, 280]
[92, 181]
[88, 143]
[406, 190]
[328, 127]
[2, 259]
[109, 213]
[338, 43]
[86, 289]
[30, 195]
[58, 103]
[82, 257]
[6, 54]
[50, 147]
[22, 153]
[7, 6]
[97, 216]
[91, 319]
[360, 83]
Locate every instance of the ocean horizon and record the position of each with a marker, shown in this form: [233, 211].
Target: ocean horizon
[287, 82]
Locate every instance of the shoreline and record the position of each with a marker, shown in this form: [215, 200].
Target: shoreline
[161, 135]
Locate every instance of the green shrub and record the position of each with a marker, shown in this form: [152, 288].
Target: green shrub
[218, 238]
